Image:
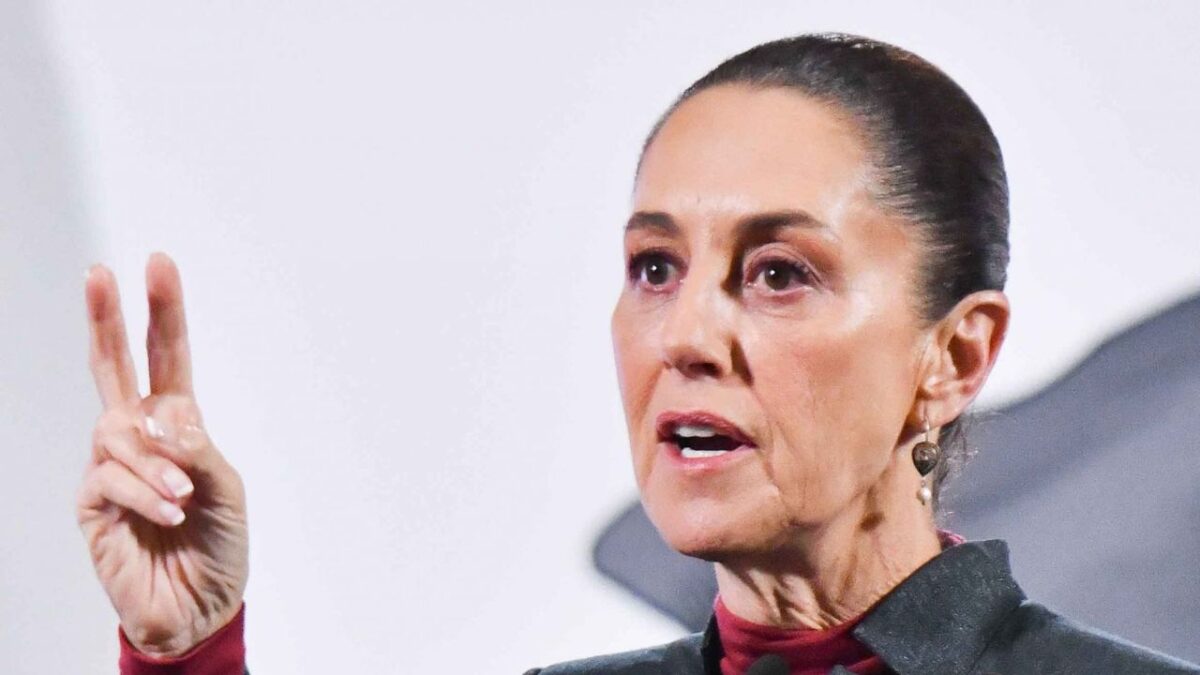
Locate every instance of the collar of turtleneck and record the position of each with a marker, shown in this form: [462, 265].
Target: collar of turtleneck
[806, 651]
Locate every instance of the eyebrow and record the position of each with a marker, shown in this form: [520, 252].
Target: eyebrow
[749, 225]
[656, 221]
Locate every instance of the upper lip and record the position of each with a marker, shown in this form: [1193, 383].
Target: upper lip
[667, 422]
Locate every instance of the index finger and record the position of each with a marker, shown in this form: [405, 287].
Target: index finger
[166, 337]
[112, 365]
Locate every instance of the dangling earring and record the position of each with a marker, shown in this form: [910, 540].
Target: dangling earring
[925, 456]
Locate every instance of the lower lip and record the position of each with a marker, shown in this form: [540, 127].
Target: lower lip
[703, 464]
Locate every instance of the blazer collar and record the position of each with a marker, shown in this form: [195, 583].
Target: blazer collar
[937, 621]
[940, 618]
[711, 650]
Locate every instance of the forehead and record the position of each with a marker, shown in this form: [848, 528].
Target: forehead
[734, 149]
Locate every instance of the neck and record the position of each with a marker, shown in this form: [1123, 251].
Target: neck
[834, 572]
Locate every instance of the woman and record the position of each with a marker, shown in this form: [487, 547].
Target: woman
[815, 265]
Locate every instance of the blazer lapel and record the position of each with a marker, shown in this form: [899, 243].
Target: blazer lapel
[938, 621]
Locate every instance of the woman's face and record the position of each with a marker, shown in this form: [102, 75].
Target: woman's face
[767, 338]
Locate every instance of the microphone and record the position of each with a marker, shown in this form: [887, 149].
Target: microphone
[771, 664]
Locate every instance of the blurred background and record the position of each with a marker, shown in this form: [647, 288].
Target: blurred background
[399, 230]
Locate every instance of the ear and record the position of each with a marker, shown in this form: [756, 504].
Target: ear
[962, 350]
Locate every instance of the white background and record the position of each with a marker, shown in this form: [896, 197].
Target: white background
[398, 226]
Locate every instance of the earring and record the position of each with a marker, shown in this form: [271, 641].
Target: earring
[925, 456]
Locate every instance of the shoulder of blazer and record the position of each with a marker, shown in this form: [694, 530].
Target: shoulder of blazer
[681, 657]
[962, 612]
[1034, 639]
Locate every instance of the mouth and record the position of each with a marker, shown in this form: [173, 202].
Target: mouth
[700, 435]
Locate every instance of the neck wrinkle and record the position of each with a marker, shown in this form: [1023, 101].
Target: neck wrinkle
[832, 575]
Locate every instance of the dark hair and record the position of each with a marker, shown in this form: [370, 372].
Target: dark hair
[936, 161]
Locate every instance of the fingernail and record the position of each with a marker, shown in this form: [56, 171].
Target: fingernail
[178, 483]
[171, 512]
[156, 430]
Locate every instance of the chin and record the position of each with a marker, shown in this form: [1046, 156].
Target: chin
[713, 529]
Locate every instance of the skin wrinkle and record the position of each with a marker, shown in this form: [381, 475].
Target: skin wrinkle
[821, 519]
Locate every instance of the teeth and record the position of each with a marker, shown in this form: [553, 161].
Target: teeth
[691, 453]
[694, 431]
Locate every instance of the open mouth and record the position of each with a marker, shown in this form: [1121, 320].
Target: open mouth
[699, 441]
[700, 435]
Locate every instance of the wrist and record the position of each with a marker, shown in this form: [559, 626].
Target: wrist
[224, 643]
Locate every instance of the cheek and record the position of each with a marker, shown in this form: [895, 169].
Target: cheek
[638, 366]
[835, 401]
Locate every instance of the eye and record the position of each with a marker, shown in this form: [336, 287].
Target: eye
[653, 269]
[780, 274]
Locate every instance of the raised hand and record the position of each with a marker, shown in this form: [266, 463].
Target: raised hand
[163, 513]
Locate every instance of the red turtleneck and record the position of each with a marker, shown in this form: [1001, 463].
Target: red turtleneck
[807, 651]
[224, 653]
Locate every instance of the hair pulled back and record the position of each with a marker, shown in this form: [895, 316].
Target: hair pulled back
[935, 161]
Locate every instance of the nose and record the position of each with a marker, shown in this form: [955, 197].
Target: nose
[697, 338]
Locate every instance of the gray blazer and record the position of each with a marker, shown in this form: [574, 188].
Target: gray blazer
[961, 613]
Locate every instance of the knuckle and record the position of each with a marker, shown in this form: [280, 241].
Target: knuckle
[89, 496]
[185, 408]
[117, 446]
[145, 466]
[188, 413]
[93, 486]
[179, 409]
[103, 423]
[103, 432]
[104, 473]
[113, 421]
